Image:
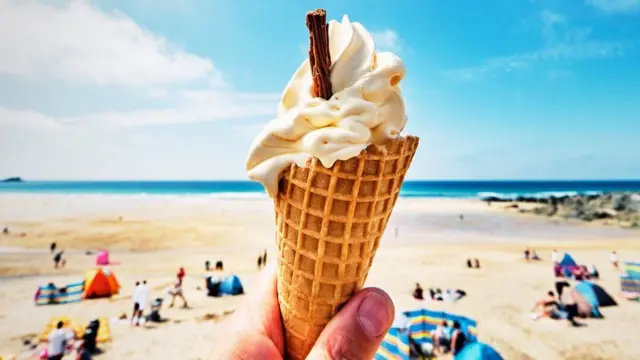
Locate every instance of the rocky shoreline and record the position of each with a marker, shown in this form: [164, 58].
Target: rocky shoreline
[619, 208]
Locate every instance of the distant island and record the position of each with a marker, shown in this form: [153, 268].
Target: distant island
[614, 208]
[12, 180]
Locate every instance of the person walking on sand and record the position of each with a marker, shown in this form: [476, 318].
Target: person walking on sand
[57, 258]
[264, 258]
[614, 260]
[52, 247]
[178, 292]
[260, 262]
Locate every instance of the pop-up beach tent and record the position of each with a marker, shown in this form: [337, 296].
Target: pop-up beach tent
[478, 351]
[100, 283]
[566, 266]
[102, 258]
[590, 298]
[231, 285]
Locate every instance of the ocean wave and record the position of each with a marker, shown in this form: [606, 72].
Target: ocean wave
[540, 195]
[238, 195]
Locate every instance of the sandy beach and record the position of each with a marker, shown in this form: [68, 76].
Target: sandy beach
[426, 241]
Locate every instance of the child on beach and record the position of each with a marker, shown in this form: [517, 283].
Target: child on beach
[614, 259]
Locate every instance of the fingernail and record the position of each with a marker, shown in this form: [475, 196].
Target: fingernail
[373, 315]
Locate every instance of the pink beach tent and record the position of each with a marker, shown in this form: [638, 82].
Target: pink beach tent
[102, 258]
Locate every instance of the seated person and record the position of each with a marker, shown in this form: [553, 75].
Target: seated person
[534, 255]
[418, 292]
[458, 339]
[437, 295]
[442, 337]
[548, 306]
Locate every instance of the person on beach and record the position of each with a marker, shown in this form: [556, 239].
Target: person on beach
[215, 280]
[554, 256]
[356, 332]
[548, 306]
[441, 338]
[264, 258]
[136, 304]
[207, 265]
[5, 231]
[614, 260]
[142, 299]
[458, 339]
[593, 273]
[569, 306]
[177, 290]
[418, 292]
[534, 255]
[52, 247]
[57, 258]
[476, 263]
[260, 262]
[57, 342]
[527, 254]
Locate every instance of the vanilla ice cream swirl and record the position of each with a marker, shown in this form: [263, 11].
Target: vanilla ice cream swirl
[366, 108]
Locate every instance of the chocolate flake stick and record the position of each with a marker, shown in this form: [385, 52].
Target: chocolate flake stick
[319, 56]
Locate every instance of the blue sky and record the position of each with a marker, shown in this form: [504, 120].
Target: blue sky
[177, 89]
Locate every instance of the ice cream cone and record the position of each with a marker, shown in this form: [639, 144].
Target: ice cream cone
[329, 225]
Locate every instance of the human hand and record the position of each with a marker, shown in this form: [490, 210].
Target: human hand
[255, 331]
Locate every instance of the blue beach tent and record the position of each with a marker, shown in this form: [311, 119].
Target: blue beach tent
[478, 351]
[395, 346]
[595, 296]
[231, 285]
[567, 261]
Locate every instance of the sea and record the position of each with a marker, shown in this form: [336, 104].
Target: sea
[248, 189]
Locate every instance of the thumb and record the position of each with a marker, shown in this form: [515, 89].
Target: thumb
[358, 329]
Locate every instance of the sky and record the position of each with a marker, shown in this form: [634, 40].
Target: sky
[177, 89]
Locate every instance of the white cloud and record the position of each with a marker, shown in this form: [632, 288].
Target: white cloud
[563, 43]
[195, 107]
[616, 6]
[386, 40]
[77, 42]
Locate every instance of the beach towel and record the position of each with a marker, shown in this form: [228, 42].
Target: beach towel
[104, 333]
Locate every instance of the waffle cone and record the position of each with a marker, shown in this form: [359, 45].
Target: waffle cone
[329, 224]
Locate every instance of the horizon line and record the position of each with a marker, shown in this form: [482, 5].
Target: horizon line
[406, 180]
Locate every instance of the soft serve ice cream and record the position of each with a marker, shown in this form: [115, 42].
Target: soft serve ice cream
[366, 108]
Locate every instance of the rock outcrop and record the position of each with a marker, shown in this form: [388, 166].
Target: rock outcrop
[621, 208]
